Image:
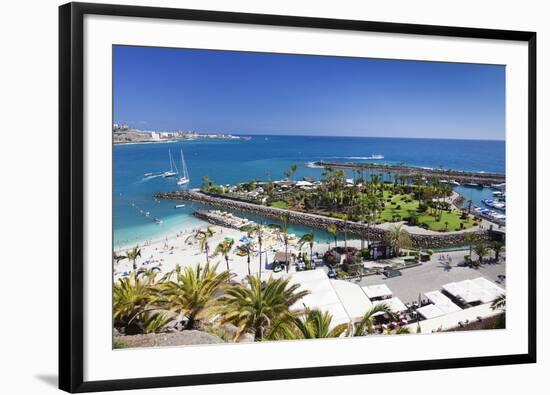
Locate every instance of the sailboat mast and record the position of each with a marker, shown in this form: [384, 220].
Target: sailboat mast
[170, 158]
[183, 166]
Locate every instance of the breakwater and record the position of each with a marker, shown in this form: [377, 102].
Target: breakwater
[485, 179]
[449, 239]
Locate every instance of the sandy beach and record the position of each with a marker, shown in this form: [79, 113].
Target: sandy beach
[183, 249]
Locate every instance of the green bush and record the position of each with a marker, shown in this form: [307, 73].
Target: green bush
[117, 343]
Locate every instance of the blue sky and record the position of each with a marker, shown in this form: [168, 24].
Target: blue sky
[254, 93]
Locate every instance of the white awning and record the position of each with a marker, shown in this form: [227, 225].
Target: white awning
[345, 301]
[353, 299]
[442, 302]
[396, 305]
[489, 286]
[452, 320]
[377, 291]
[469, 291]
[429, 311]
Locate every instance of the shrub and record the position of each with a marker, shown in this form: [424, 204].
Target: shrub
[119, 344]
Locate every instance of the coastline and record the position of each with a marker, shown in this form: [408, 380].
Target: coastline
[421, 239]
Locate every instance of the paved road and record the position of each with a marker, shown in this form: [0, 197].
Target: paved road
[432, 275]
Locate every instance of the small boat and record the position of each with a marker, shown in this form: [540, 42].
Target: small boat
[147, 213]
[157, 220]
[455, 183]
[473, 185]
[171, 172]
[376, 156]
[179, 205]
[184, 179]
[147, 174]
[494, 204]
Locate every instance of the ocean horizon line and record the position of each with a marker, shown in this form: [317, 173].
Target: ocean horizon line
[350, 136]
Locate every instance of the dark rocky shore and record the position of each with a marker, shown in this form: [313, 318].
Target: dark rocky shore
[450, 239]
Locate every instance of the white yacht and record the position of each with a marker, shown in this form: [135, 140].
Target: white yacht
[184, 179]
[171, 172]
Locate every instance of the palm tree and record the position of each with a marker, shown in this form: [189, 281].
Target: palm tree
[315, 324]
[290, 172]
[132, 297]
[202, 237]
[257, 230]
[499, 303]
[282, 231]
[481, 251]
[345, 218]
[471, 238]
[206, 183]
[402, 330]
[497, 247]
[333, 230]
[149, 273]
[224, 248]
[154, 322]
[255, 308]
[192, 292]
[310, 239]
[246, 249]
[117, 258]
[131, 255]
[398, 238]
[366, 325]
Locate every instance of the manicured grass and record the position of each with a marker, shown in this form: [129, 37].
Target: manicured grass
[279, 204]
[406, 208]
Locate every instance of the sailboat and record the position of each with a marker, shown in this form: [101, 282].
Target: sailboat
[171, 172]
[184, 179]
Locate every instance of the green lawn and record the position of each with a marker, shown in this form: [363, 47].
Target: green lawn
[407, 205]
[279, 204]
[406, 208]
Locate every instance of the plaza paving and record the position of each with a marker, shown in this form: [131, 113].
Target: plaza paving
[432, 275]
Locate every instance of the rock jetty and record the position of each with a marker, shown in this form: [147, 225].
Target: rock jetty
[410, 171]
[449, 239]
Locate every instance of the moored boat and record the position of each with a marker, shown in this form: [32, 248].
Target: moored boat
[184, 179]
[171, 172]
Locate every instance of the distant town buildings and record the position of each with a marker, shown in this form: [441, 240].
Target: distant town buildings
[122, 133]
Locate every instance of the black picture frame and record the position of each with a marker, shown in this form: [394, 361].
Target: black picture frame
[71, 223]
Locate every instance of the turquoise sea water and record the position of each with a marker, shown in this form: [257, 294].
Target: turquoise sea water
[265, 157]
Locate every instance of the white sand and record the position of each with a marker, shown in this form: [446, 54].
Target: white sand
[173, 250]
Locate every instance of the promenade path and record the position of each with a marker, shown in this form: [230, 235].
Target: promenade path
[432, 275]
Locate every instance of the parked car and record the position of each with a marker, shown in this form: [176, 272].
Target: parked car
[331, 273]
